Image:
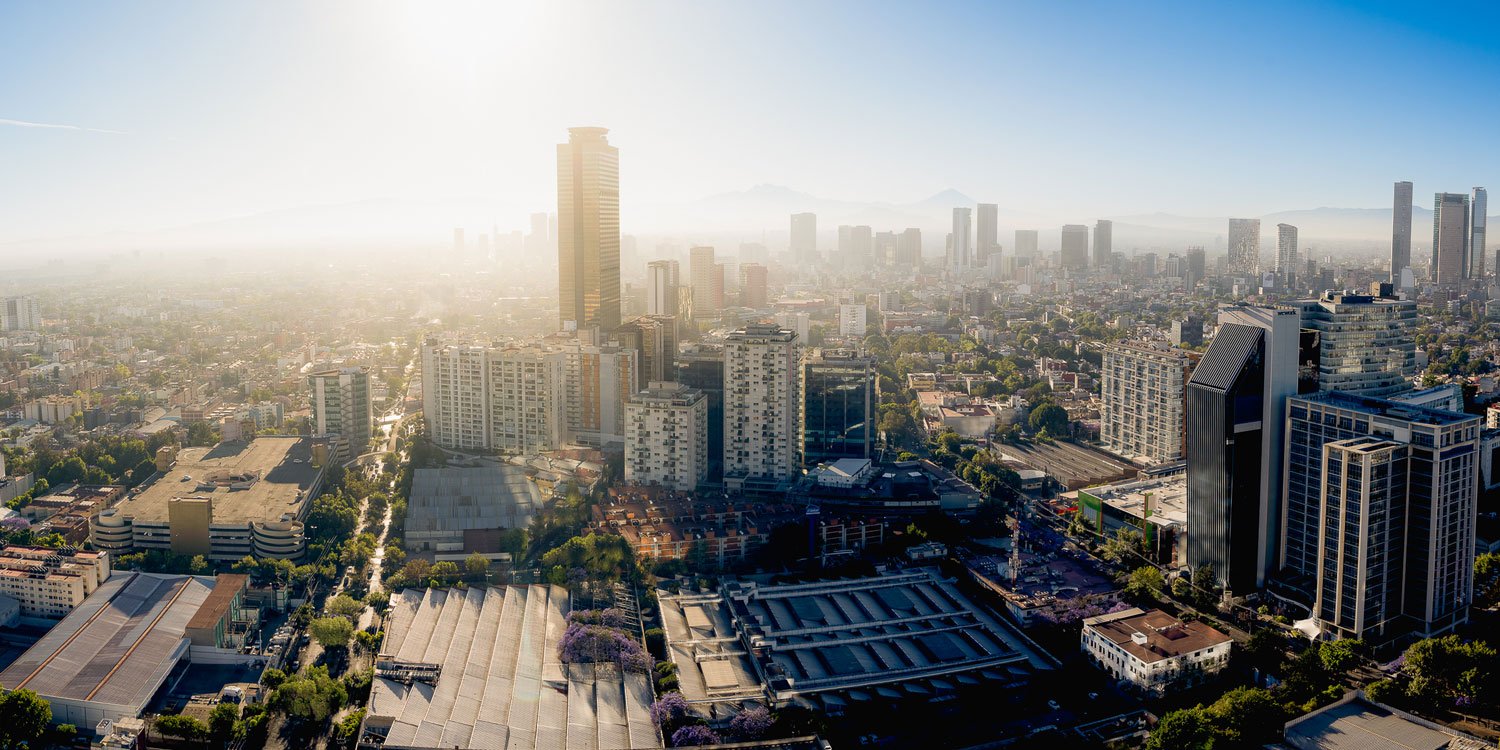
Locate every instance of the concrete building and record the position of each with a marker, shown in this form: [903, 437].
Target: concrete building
[960, 246]
[666, 436]
[224, 503]
[1401, 232]
[662, 280]
[804, 238]
[588, 230]
[50, 583]
[1026, 245]
[1286, 255]
[1235, 438]
[1244, 247]
[1450, 238]
[701, 367]
[1104, 243]
[1366, 344]
[707, 283]
[1155, 507]
[852, 321]
[512, 400]
[753, 286]
[987, 229]
[449, 501]
[341, 405]
[653, 338]
[20, 314]
[1075, 247]
[838, 405]
[909, 248]
[856, 248]
[1154, 651]
[763, 383]
[1478, 205]
[598, 379]
[1143, 400]
[1400, 508]
[1357, 723]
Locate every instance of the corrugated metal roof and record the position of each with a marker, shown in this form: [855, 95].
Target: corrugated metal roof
[1226, 356]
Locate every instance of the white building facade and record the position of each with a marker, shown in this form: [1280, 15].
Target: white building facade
[666, 436]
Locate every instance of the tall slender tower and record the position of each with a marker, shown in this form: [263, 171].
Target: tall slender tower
[988, 231]
[1401, 232]
[1477, 208]
[1450, 237]
[1244, 246]
[1286, 252]
[960, 255]
[1104, 243]
[588, 230]
[804, 238]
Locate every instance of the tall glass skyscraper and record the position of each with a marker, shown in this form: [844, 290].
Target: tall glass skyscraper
[839, 397]
[588, 230]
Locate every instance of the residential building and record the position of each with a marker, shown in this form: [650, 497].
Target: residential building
[1235, 438]
[481, 398]
[341, 405]
[852, 320]
[654, 340]
[753, 286]
[20, 314]
[763, 382]
[909, 248]
[588, 230]
[598, 379]
[666, 436]
[839, 406]
[701, 367]
[1143, 398]
[1104, 243]
[1196, 267]
[1402, 507]
[661, 287]
[707, 283]
[1450, 238]
[804, 238]
[1401, 232]
[1244, 247]
[49, 583]
[1154, 651]
[856, 247]
[1366, 344]
[1075, 247]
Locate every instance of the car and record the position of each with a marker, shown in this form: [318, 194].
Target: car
[1054, 705]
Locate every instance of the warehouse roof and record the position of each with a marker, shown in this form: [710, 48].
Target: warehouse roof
[256, 481]
[448, 501]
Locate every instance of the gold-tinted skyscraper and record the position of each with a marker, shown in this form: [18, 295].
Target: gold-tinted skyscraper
[588, 229]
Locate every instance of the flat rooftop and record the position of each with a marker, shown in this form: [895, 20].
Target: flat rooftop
[446, 502]
[880, 637]
[118, 646]
[500, 685]
[1168, 498]
[1166, 636]
[1355, 723]
[282, 468]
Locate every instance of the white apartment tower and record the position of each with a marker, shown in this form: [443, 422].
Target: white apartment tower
[762, 405]
[1144, 397]
[1244, 247]
[666, 436]
[960, 250]
[1286, 252]
[512, 400]
[341, 405]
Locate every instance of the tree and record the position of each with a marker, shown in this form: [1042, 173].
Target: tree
[221, 721]
[1186, 729]
[751, 724]
[1205, 586]
[1124, 547]
[1266, 650]
[1246, 717]
[475, 566]
[694, 734]
[311, 695]
[1049, 418]
[272, 678]
[344, 732]
[332, 632]
[344, 606]
[1340, 655]
[185, 727]
[1145, 582]
[669, 709]
[24, 717]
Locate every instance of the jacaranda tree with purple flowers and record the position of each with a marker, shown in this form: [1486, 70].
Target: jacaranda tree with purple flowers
[694, 734]
[594, 644]
[670, 708]
[751, 724]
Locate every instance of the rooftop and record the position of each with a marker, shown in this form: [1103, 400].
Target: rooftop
[498, 682]
[450, 500]
[1372, 405]
[118, 646]
[1165, 636]
[1356, 723]
[257, 481]
[1168, 498]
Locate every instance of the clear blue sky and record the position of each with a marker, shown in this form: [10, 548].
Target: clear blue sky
[220, 109]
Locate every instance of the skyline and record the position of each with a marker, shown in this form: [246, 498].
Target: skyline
[457, 105]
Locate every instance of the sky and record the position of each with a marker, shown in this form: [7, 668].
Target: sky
[129, 117]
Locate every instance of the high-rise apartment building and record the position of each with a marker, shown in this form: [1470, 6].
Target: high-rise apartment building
[987, 233]
[1196, 267]
[1235, 439]
[707, 283]
[653, 338]
[1104, 243]
[1286, 254]
[1380, 516]
[839, 405]
[909, 248]
[804, 238]
[1450, 238]
[753, 286]
[599, 380]
[762, 406]
[1401, 231]
[1244, 247]
[1075, 246]
[960, 247]
[341, 405]
[21, 314]
[1477, 207]
[509, 399]
[1026, 246]
[852, 320]
[1366, 344]
[1143, 401]
[588, 230]
[666, 436]
[661, 287]
[701, 367]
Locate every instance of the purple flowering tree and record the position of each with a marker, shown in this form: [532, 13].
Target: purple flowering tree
[694, 734]
[751, 724]
[612, 617]
[669, 709]
[593, 644]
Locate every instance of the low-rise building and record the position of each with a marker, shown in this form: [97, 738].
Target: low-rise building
[50, 583]
[1153, 650]
[1157, 508]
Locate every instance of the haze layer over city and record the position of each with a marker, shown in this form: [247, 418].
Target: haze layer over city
[614, 376]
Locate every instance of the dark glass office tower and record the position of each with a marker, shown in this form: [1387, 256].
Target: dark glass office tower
[839, 397]
[701, 366]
